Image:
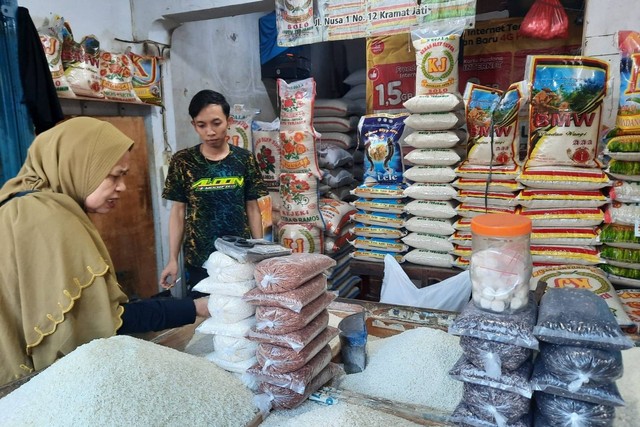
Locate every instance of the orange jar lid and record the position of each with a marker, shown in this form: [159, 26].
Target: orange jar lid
[501, 225]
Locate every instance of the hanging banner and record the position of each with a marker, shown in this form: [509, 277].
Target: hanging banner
[302, 22]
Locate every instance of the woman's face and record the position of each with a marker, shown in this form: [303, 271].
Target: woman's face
[211, 125]
[104, 198]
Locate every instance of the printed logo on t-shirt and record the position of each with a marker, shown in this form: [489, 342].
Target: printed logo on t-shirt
[221, 183]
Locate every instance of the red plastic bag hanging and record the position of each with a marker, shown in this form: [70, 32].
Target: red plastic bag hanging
[545, 20]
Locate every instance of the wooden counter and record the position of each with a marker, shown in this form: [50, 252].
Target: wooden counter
[372, 273]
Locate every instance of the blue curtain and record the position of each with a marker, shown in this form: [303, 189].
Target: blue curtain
[16, 129]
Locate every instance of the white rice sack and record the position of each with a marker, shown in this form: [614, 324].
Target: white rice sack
[234, 349]
[435, 121]
[430, 208]
[431, 242]
[430, 258]
[432, 157]
[421, 191]
[229, 309]
[436, 139]
[434, 174]
[223, 268]
[434, 103]
[439, 226]
[237, 329]
[235, 289]
[239, 367]
[330, 108]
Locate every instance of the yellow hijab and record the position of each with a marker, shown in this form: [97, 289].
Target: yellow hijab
[58, 288]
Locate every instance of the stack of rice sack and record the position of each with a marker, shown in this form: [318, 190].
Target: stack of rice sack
[266, 149]
[496, 364]
[337, 245]
[580, 359]
[231, 316]
[301, 227]
[436, 118]
[333, 121]
[562, 175]
[293, 355]
[621, 249]
[83, 69]
[486, 180]
[380, 199]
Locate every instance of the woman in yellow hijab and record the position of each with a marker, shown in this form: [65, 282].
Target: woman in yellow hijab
[58, 288]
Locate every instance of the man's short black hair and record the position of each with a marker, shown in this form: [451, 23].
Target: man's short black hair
[208, 97]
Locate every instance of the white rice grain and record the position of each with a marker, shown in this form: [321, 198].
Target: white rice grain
[341, 414]
[411, 367]
[127, 381]
[628, 415]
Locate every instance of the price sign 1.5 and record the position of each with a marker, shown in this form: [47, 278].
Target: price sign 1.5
[394, 84]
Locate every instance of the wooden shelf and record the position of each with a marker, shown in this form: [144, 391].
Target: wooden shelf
[85, 106]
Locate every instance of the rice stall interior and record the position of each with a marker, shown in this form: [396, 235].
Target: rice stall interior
[409, 352]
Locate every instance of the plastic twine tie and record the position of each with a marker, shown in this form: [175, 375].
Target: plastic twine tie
[492, 365]
[575, 420]
[577, 383]
[501, 421]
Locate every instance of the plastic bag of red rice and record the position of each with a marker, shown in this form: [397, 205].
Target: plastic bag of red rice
[565, 109]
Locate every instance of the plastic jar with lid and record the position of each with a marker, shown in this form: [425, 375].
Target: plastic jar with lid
[500, 265]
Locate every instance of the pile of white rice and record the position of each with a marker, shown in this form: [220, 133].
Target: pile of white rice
[628, 385]
[341, 414]
[127, 381]
[411, 367]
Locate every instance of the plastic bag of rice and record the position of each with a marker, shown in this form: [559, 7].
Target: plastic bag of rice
[228, 309]
[285, 398]
[237, 329]
[429, 257]
[438, 192]
[431, 208]
[436, 139]
[294, 300]
[492, 356]
[288, 272]
[435, 121]
[436, 174]
[235, 289]
[464, 415]
[432, 157]
[366, 230]
[375, 243]
[428, 241]
[385, 219]
[278, 320]
[578, 317]
[277, 359]
[380, 205]
[375, 255]
[234, 349]
[295, 340]
[439, 226]
[604, 394]
[625, 192]
[515, 329]
[379, 191]
[221, 360]
[514, 381]
[296, 381]
[434, 103]
[223, 268]
[557, 410]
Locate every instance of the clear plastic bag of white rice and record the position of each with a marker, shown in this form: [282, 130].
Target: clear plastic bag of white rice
[435, 121]
[432, 242]
[234, 349]
[431, 208]
[229, 309]
[436, 139]
[432, 157]
[430, 258]
[437, 174]
[421, 191]
[434, 103]
[127, 381]
[223, 268]
[235, 289]
[439, 226]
